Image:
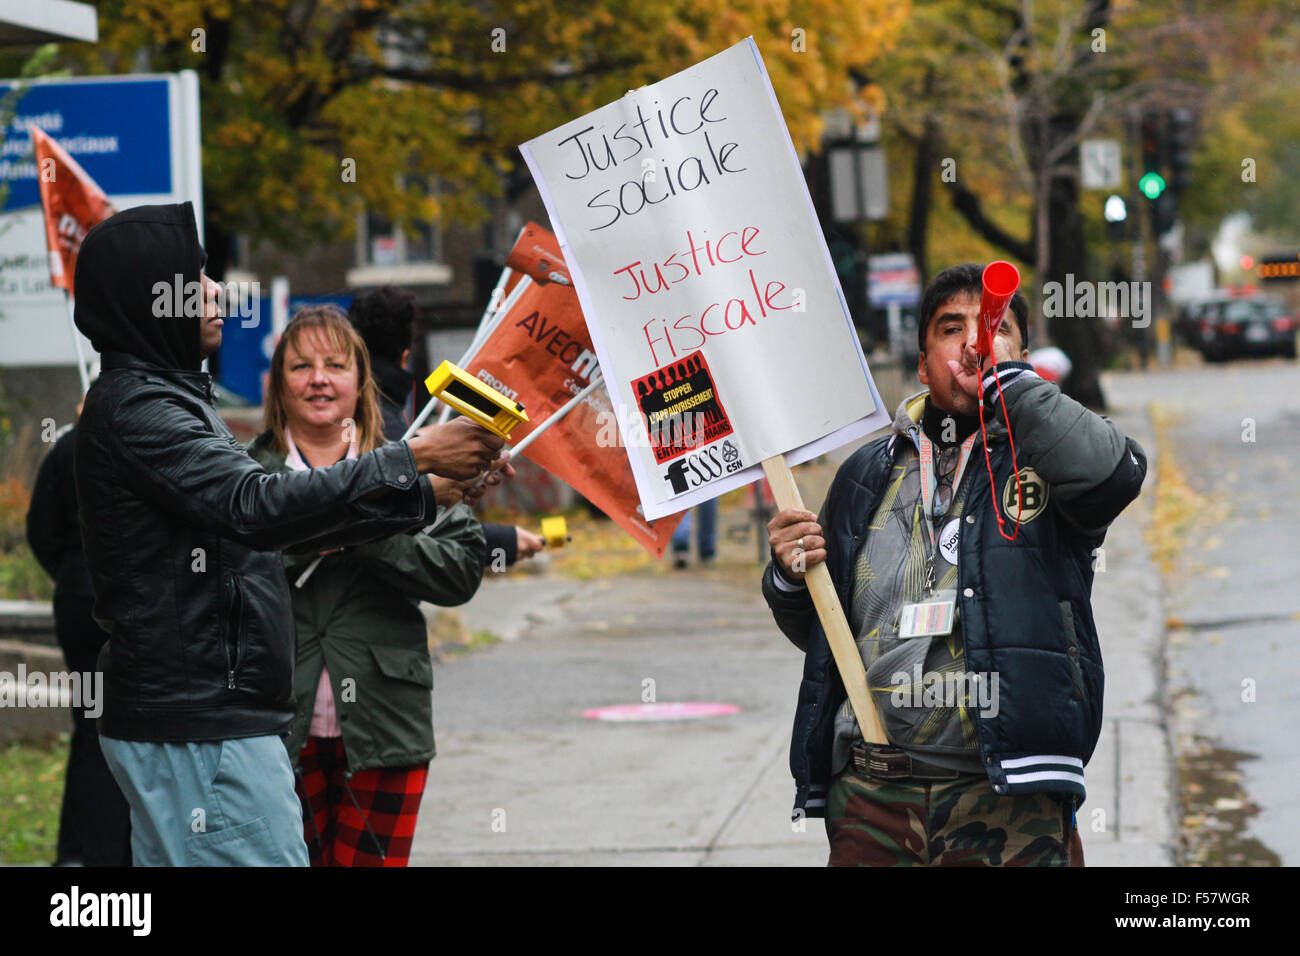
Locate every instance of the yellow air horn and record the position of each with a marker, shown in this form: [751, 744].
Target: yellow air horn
[497, 413]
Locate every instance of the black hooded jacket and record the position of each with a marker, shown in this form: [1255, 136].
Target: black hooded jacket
[180, 526]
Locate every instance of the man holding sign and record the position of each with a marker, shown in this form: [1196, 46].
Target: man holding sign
[980, 648]
[718, 321]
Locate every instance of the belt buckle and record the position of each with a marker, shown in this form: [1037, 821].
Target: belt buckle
[881, 761]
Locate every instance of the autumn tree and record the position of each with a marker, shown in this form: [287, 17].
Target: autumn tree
[994, 99]
[1247, 159]
[301, 97]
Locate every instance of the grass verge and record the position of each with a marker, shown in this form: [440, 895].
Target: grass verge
[31, 790]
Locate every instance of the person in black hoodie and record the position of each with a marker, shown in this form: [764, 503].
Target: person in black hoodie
[385, 317]
[94, 820]
[181, 532]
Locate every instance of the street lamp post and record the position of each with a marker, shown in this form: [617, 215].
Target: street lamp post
[858, 193]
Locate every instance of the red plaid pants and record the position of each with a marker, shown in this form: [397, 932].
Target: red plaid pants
[365, 820]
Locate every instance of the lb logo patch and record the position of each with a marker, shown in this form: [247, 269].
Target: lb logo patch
[1033, 496]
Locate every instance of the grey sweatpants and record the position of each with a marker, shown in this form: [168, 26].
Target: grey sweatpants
[217, 803]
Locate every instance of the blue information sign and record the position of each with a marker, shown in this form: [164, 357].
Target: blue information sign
[120, 133]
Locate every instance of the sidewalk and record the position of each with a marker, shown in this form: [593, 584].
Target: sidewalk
[1130, 816]
[522, 778]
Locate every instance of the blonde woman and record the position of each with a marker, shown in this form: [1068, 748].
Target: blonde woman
[362, 737]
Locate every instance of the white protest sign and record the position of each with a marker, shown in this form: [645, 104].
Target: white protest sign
[705, 281]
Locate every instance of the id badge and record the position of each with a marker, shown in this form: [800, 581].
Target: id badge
[932, 617]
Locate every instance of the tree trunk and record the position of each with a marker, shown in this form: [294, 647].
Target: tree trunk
[1078, 336]
[927, 149]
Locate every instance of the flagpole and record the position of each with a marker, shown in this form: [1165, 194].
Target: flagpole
[487, 325]
[76, 341]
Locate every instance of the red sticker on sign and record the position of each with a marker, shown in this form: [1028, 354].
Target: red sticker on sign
[680, 407]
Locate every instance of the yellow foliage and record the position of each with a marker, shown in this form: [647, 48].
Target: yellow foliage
[1179, 509]
[291, 90]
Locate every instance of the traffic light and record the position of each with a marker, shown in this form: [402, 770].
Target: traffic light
[1115, 212]
[1182, 137]
[1152, 185]
[1153, 142]
[1163, 203]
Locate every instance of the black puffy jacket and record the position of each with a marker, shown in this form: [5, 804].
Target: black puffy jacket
[181, 527]
[1025, 605]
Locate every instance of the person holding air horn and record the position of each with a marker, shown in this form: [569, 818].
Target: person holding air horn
[961, 548]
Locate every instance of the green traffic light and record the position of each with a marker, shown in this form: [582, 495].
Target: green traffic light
[1152, 185]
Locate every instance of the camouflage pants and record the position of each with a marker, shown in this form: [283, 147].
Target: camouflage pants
[958, 822]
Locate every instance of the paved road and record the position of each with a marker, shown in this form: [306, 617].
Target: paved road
[1233, 601]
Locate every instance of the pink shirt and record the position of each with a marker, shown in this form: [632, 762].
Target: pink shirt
[324, 716]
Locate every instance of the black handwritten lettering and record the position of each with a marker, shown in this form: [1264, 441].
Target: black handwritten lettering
[705, 102]
[599, 153]
[619, 134]
[592, 204]
[672, 119]
[586, 166]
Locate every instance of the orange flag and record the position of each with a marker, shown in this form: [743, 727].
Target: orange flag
[540, 354]
[73, 203]
[536, 254]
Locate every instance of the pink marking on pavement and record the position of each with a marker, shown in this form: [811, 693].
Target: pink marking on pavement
[689, 710]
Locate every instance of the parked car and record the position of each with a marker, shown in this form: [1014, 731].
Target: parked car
[1247, 326]
[1187, 325]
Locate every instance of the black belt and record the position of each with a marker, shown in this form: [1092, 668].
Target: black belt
[883, 762]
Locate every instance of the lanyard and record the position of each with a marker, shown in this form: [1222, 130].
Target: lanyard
[929, 482]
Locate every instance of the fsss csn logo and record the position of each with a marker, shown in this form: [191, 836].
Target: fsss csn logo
[700, 467]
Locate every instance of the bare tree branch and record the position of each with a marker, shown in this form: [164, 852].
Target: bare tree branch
[968, 204]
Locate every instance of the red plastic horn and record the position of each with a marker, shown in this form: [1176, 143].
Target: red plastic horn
[1001, 280]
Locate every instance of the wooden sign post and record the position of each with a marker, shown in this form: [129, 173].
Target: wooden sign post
[829, 611]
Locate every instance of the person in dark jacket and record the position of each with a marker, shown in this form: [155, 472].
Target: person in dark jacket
[974, 624]
[362, 737]
[94, 819]
[385, 317]
[181, 531]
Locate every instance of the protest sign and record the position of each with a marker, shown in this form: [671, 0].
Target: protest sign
[714, 308]
[539, 354]
[691, 239]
